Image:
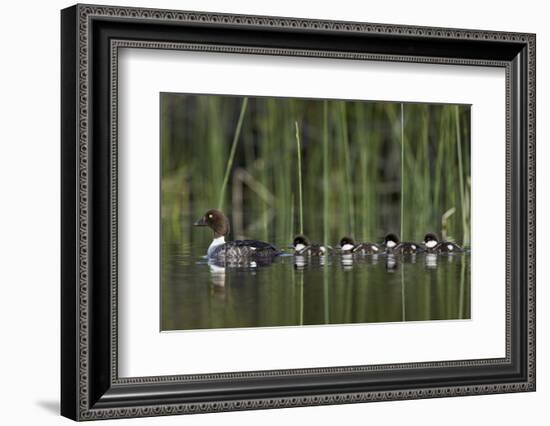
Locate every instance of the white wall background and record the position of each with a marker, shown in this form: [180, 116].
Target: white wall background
[29, 210]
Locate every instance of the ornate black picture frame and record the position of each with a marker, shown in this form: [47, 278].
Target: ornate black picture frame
[91, 36]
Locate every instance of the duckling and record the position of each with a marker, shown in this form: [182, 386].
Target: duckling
[348, 245]
[393, 245]
[430, 243]
[221, 250]
[303, 247]
[390, 243]
[368, 248]
[433, 245]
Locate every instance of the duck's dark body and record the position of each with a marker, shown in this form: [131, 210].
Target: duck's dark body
[302, 247]
[368, 248]
[349, 246]
[315, 250]
[243, 249]
[406, 248]
[431, 244]
[448, 247]
[392, 245]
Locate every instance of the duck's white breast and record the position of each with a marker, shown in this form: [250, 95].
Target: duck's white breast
[215, 243]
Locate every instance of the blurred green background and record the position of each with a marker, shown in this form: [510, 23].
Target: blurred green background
[367, 168]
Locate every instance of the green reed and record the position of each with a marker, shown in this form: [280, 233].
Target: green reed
[402, 210]
[461, 175]
[365, 186]
[340, 171]
[229, 164]
[299, 158]
[347, 165]
[326, 206]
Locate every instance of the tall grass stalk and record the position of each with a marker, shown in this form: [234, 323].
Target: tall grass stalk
[363, 137]
[402, 168]
[325, 174]
[233, 150]
[348, 167]
[431, 216]
[291, 220]
[461, 178]
[299, 156]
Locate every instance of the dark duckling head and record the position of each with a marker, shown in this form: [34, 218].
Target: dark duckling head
[300, 239]
[347, 244]
[430, 240]
[300, 243]
[217, 221]
[347, 240]
[391, 241]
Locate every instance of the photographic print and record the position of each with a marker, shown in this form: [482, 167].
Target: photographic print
[300, 212]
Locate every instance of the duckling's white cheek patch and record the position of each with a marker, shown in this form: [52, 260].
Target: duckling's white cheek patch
[299, 247]
[431, 244]
[390, 244]
[347, 247]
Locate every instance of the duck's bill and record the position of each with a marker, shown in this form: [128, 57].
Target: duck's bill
[200, 222]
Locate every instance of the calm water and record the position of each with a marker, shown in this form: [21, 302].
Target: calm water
[296, 291]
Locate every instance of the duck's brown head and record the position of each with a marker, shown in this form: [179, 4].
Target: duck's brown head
[216, 220]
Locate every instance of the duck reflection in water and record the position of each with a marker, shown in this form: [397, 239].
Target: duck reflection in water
[217, 274]
[430, 261]
[450, 257]
[219, 268]
[302, 261]
[391, 263]
[347, 261]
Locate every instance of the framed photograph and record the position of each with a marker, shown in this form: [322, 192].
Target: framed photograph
[263, 212]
